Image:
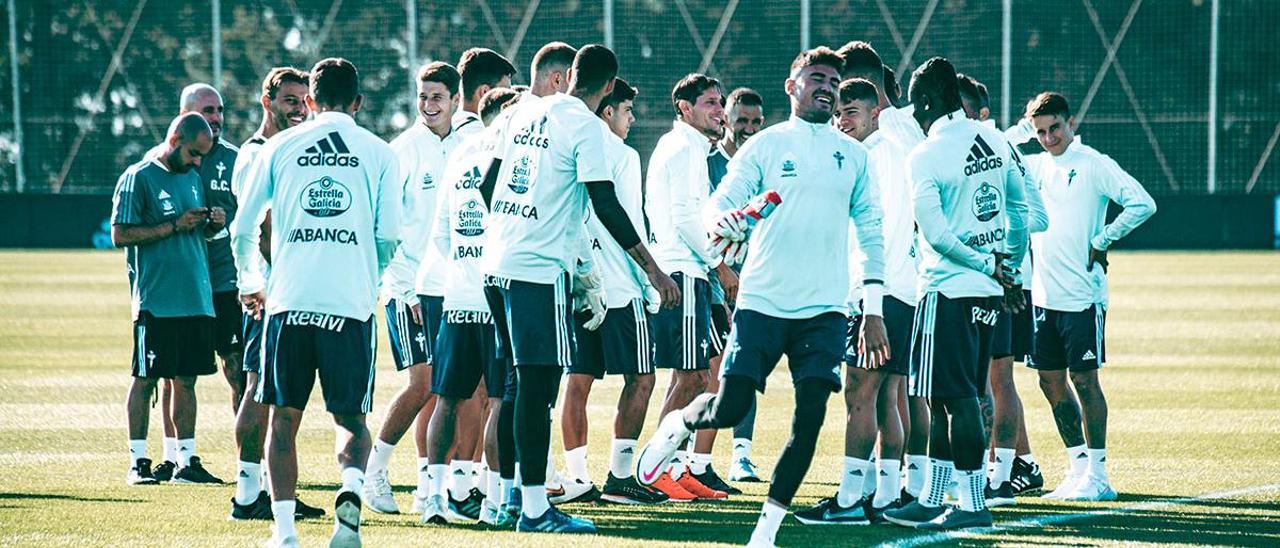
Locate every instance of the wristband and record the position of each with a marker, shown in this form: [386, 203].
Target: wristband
[873, 300]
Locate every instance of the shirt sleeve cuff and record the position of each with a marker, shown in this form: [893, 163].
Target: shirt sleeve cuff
[873, 300]
[1100, 242]
[251, 283]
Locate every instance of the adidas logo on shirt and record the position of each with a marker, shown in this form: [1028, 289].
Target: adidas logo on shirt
[330, 151]
[981, 158]
[1088, 356]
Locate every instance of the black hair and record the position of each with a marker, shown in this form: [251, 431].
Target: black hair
[973, 91]
[689, 88]
[858, 89]
[554, 54]
[482, 67]
[335, 82]
[821, 55]
[494, 101]
[622, 92]
[746, 97]
[280, 76]
[937, 77]
[862, 61]
[442, 73]
[1048, 103]
[594, 67]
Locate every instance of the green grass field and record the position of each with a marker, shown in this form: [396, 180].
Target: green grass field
[1193, 382]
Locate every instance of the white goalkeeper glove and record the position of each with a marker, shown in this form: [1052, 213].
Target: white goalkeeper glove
[588, 294]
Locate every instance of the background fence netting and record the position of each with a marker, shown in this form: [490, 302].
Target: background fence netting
[98, 80]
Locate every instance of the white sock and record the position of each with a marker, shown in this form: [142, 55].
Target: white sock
[352, 480]
[972, 485]
[138, 450]
[622, 458]
[1098, 465]
[504, 490]
[248, 479]
[436, 476]
[265, 476]
[678, 465]
[939, 482]
[699, 463]
[575, 460]
[917, 466]
[855, 472]
[492, 485]
[534, 501]
[1002, 467]
[282, 511]
[1028, 458]
[379, 457]
[1078, 456]
[460, 471]
[869, 478]
[741, 449]
[171, 450]
[767, 526]
[186, 450]
[424, 478]
[888, 483]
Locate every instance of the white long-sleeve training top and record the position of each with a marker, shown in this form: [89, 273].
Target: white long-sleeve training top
[623, 279]
[677, 186]
[1077, 186]
[798, 265]
[334, 196]
[968, 194]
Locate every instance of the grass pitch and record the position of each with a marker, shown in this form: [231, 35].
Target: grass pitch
[1193, 382]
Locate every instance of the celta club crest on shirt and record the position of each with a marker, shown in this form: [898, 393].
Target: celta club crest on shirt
[1070, 176]
[166, 202]
[521, 175]
[470, 219]
[986, 202]
[788, 165]
[325, 197]
[427, 182]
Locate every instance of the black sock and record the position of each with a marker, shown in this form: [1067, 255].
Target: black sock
[507, 441]
[797, 455]
[535, 390]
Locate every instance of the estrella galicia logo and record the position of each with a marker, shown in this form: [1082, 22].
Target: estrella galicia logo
[521, 175]
[788, 166]
[329, 151]
[986, 202]
[325, 197]
[470, 219]
[981, 157]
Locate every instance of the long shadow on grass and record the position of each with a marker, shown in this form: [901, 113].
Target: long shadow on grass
[57, 496]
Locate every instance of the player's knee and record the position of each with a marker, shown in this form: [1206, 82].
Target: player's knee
[1086, 380]
[184, 383]
[1053, 384]
[641, 384]
[808, 420]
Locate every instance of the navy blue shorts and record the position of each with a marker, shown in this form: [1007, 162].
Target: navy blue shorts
[251, 334]
[898, 318]
[466, 351]
[1014, 333]
[226, 323]
[813, 346]
[682, 335]
[620, 346]
[720, 327]
[534, 321]
[410, 342]
[164, 348]
[300, 345]
[1069, 340]
[951, 346]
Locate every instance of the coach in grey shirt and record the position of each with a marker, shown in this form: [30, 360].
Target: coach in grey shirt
[159, 217]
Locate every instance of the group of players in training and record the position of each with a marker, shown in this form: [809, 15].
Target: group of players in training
[512, 241]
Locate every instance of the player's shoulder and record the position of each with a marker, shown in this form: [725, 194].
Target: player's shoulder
[227, 147]
[140, 169]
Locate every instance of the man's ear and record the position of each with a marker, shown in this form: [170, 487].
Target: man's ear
[1071, 123]
[355, 105]
[875, 114]
[265, 100]
[984, 114]
[789, 86]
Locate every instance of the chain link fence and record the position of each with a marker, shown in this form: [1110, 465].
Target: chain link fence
[87, 86]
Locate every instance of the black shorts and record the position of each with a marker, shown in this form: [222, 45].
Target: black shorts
[1014, 333]
[533, 320]
[898, 317]
[813, 346]
[298, 345]
[466, 351]
[682, 335]
[410, 342]
[620, 346]
[1069, 340]
[227, 323]
[251, 334]
[951, 346]
[720, 327]
[164, 348]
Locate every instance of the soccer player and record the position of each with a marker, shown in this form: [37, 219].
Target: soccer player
[871, 394]
[333, 189]
[159, 215]
[1002, 408]
[967, 188]
[619, 344]
[549, 161]
[677, 186]
[204, 100]
[1069, 286]
[822, 178]
[896, 126]
[745, 108]
[412, 324]
[466, 346]
[283, 101]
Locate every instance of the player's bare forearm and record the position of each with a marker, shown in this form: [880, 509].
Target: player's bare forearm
[128, 235]
[663, 283]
